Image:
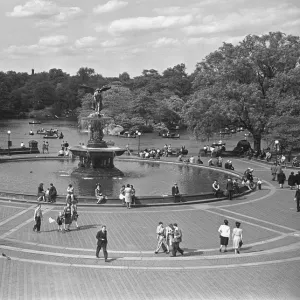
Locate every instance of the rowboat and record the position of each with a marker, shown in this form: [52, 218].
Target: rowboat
[53, 136]
[35, 122]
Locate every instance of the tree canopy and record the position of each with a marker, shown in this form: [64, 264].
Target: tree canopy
[236, 84]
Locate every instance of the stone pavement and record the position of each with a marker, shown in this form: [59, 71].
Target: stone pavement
[55, 265]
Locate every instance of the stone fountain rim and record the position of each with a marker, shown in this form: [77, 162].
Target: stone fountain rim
[135, 159]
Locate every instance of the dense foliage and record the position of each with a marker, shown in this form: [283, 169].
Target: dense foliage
[250, 85]
[255, 84]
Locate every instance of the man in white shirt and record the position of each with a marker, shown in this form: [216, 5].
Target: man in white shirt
[161, 241]
[224, 231]
[22, 145]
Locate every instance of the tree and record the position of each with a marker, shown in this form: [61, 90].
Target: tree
[44, 93]
[176, 80]
[144, 106]
[124, 77]
[117, 100]
[239, 80]
[286, 129]
[85, 74]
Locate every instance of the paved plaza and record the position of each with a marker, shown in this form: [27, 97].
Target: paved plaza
[55, 265]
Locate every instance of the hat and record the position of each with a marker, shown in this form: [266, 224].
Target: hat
[175, 183]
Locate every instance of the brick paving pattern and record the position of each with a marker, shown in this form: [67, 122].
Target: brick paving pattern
[53, 265]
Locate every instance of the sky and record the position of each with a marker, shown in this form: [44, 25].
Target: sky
[119, 36]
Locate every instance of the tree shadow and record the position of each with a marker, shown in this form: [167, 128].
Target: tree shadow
[82, 227]
[85, 227]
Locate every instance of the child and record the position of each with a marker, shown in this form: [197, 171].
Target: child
[59, 221]
[259, 182]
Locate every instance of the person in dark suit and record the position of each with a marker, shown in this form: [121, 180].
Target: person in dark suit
[102, 242]
[177, 240]
[297, 180]
[297, 198]
[230, 188]
[176, 193]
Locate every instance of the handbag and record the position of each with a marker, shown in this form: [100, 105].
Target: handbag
[240, 243]
[226, 193]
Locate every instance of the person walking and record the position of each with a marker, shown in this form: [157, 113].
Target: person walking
[297, 180]
[291, 180]
[102, 242]
[278, 170]
[297, 198]
[224, 232]
[161, 241]
[128, 196]
[169, 237]
[176, 241]
[237, 238]
[273, 171]
[52, 193]
[281, 179]
[37, 217]
[229, 188]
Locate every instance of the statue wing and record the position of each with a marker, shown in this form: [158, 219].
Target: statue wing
[105, 88]
[87, 89]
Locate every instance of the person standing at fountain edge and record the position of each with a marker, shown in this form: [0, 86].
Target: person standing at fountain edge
[102, 242]
[128, 196]
[176, 193]
[37, 217]
[229, 187]
[70, 193]
[224, 231]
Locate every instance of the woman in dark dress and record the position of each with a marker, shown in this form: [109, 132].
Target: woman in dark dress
[41, 192]
[291, 180]
[67, 217]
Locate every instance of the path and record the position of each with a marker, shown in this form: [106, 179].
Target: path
[53, 265]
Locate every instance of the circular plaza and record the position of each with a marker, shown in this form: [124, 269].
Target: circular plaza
[271, 233]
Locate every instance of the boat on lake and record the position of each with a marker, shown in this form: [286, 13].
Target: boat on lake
[170, 135]
[127, 134]
[49, 136]
[48, 132]
[35, 122]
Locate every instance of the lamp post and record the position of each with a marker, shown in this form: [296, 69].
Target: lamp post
[8, 141]
[139, 136]
[276, 149]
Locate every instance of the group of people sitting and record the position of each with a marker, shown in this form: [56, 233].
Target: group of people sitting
[47, 196]
[218, 162]
[64, 151]
[127, 195]
[191, 159]
[158, 153]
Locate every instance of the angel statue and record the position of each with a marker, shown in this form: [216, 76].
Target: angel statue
[97, 93]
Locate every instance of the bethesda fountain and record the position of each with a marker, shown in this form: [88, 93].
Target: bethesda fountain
[97, 158]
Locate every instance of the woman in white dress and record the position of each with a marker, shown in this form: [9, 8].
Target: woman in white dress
[237, 237]
[128, 196]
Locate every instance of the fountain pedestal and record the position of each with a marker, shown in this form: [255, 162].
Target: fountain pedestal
[97, 159]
